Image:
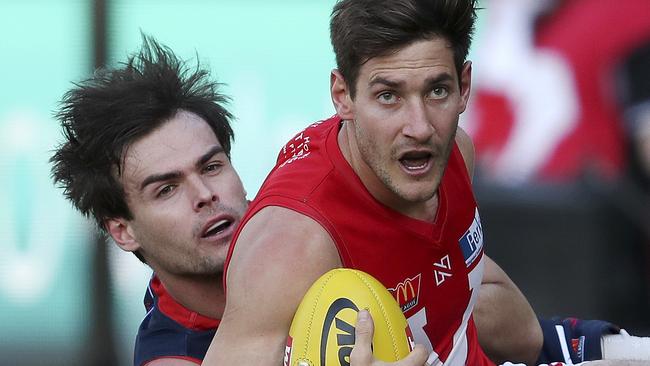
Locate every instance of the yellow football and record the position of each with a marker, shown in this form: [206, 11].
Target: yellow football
[322, 330]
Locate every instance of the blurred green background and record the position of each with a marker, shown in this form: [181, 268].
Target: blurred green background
[274, 59]
[66, 297]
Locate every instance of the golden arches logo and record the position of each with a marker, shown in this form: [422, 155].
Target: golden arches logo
[407, 292]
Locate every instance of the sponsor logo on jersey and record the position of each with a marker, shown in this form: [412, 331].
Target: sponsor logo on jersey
[407, 292]
[578, 345]
[296, 149]
[443, 270]
[345, 332]
[471, 243]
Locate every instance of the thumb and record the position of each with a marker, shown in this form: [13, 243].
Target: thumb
[362, 350]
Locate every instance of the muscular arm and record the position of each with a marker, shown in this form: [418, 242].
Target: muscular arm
[507, 327]
[279, 254]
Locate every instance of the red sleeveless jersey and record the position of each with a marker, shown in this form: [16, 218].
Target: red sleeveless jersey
[434, 270]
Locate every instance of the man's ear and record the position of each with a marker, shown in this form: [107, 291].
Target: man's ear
[465, 85]
[121, 232]
[341, 96]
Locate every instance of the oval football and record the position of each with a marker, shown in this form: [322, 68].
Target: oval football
[322, 330]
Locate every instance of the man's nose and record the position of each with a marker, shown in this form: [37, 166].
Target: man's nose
[417, 126]
[204, 194]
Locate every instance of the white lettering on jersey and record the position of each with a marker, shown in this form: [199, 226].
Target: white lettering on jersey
[298, 148]
[458, 354]
[443, 271]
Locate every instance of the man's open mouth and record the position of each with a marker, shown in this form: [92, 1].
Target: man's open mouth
[415, 160]
[217, 228]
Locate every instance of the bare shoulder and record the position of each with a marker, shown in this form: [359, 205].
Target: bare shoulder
[275, 248]
[277, 238]
[466, 147]
[169, 361]
[278, 255]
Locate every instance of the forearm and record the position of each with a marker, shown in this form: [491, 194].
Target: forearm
[507, 327]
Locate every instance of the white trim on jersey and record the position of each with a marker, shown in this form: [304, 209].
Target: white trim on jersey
[565, 348]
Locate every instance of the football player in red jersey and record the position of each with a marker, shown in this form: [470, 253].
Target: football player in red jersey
[143, 229]
[384, 186]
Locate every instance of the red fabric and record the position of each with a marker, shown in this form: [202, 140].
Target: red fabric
[179, 313]
[312, 177]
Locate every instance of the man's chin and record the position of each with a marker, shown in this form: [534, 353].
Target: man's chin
[206, 267]
[208, 273]
[416, 193]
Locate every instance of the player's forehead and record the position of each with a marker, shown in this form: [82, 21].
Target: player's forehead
[176, 145]
[429, 58]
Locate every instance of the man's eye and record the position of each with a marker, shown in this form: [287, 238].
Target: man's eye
[165, 191]
[212, 167]
[387, 98]
[439, 93]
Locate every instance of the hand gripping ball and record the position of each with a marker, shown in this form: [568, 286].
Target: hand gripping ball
[322, 330]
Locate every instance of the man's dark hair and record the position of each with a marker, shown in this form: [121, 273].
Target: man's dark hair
[102, 116]
[365, 29]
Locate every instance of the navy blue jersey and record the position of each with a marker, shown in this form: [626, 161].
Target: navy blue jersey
[170, 330]
[573, 340]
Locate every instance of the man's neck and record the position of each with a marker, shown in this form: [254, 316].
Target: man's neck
[202, 294]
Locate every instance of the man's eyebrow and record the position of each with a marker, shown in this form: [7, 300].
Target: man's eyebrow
[384, 81]
[216, 149]
[430, 82]
[438, 79]
[154, 178]
[159, 178]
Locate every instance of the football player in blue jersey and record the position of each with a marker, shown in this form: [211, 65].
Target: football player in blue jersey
[147, 155]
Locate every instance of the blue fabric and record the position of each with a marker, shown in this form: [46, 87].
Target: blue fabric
[582, 338]
[160, 336]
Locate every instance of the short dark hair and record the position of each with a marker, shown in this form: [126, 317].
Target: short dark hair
[364, 29]
[102, 116]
